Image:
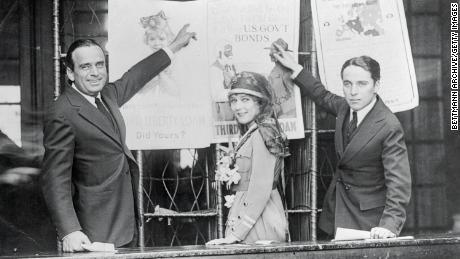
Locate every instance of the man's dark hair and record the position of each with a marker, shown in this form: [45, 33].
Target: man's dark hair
[365, 62]
[75, 45]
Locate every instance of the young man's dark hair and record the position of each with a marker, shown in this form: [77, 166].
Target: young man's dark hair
[365, 62]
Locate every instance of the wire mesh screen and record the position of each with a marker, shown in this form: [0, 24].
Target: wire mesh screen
[177, 205]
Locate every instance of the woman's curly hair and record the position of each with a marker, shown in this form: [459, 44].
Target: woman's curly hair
[274, 138]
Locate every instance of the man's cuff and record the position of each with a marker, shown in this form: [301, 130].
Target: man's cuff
[394, 228]
[169, 52]
[69, 234]
[296, 71]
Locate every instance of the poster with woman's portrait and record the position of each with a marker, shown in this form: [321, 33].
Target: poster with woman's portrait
[171, 110]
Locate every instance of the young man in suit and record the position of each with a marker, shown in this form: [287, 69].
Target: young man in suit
[371, 187]
[89, 175]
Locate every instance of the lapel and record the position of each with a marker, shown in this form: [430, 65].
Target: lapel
[115, 111]
[91, 114]
[372, 123]
[338, 129]
[113, 107]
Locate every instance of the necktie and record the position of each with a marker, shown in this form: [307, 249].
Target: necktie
[104, 111]
[352, 127]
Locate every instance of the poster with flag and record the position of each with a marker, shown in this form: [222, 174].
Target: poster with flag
[376, 28]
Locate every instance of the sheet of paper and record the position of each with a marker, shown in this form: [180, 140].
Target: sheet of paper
[99, 247]
[346, 234]
[265, 242]
[351, 234]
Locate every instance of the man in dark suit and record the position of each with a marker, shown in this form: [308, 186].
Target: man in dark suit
[89, 176]
[371, 187]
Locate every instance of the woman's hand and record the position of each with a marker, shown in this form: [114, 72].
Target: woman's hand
[223, 241]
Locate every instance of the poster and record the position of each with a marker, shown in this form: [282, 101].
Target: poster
[376, 28]
[170, 111]
[186, 105]
[240, 34]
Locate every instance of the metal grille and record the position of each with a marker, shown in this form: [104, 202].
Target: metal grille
[177, 197]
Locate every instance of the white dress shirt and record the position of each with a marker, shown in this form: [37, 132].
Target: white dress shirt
[364, 111]
[361, 113]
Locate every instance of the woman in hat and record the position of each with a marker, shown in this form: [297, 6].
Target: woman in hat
[257, 211]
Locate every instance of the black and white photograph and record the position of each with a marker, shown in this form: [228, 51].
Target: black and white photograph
[229, 129]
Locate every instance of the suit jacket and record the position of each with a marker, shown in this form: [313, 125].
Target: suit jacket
[90, 176]
[372, 183]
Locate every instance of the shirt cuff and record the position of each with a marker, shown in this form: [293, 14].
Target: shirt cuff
[169, 52]
[296, 71]
[68, 235]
